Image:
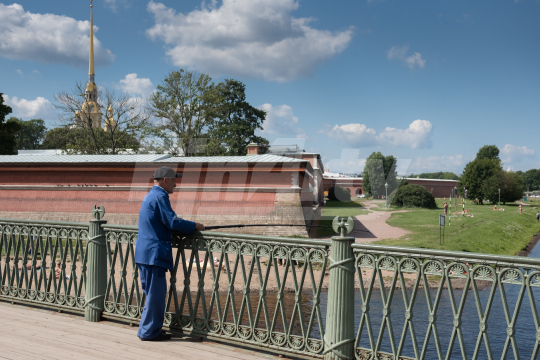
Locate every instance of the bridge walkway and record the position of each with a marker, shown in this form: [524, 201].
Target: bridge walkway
[29, 333]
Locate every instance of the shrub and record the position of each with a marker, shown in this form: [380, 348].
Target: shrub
[338, 193]
[413, 196]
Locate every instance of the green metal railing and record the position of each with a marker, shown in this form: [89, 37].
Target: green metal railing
[327, 299]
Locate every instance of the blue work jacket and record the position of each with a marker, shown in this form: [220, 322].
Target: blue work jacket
[156, 220]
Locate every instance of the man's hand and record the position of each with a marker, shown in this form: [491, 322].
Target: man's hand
[199, 227]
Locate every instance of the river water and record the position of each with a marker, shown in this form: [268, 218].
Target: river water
[497, 325]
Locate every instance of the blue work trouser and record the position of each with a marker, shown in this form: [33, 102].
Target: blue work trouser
[154, 285]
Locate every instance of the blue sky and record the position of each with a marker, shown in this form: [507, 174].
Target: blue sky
[427, 81]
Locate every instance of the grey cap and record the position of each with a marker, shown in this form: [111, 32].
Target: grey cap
[166, 172]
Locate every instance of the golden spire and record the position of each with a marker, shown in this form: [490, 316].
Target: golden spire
[91, 58]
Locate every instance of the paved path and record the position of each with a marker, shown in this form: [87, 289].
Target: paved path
[29, 333]
[375, 222]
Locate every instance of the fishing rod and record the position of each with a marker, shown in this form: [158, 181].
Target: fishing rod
[251, 225]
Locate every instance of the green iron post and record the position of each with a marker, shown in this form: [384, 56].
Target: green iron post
[339, 336]
[96, 264]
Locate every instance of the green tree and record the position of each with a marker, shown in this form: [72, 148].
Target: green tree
[31, 133]
[413, 196]
[508, 182]
[184, 105]
[475, 174]
[378, 170]
[235, 122]
[126, 120]
[490, 152]
[7, 130]
[530, 179]
[338, 193]
[78, 140]
[439, 175]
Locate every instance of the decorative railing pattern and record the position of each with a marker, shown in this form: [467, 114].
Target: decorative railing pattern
[443, 268]
[43, 263]
[235, 267]
[305, 298]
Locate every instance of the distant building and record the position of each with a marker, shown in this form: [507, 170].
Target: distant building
[438, 187]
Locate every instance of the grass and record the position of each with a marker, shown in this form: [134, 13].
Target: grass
[337, 208]
[494, 232]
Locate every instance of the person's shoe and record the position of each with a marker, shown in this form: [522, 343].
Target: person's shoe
[161, 337]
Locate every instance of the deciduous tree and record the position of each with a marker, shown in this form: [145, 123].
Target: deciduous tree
[378, 170]
[508, 182]
[490, 152]
[7, 130]
[128, 126]
[235, 122]
[184, 106]
[475, 174]
[31, 133]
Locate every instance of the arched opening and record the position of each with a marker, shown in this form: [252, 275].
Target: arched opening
[358, 192]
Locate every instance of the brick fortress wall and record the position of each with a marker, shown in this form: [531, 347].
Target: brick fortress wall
[211, 194]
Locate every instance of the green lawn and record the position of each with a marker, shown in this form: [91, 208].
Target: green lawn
[495, 232]
[337, 208]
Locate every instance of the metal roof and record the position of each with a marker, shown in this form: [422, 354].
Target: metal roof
[266, 158]
[81, 158]
[161, 158]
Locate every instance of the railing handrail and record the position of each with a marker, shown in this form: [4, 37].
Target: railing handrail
[43, 222]
[449, 254]
[213, 234]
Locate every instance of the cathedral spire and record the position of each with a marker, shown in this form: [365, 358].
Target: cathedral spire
[91, 56]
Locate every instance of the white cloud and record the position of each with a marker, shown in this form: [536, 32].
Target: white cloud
[354, 134]
[400, 53]
[280, 121]
[134, 85]
[251, 38]
[417, 135]
[39, 108]
[47, 38]
[114, 4]
[19, 71]
[437, 163]
[516, 153]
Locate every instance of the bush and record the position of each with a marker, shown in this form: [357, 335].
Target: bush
[339, 193]
[414, 196]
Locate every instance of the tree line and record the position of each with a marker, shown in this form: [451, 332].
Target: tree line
[188, 114]
[481, 179]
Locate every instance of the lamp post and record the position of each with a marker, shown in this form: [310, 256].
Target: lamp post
[455, 197]
[499, 197]
[386, 196]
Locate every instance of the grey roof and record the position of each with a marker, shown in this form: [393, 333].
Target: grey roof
[80, 158]
[266, 158]
[163, 158]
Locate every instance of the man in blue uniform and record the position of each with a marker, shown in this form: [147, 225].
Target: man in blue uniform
[153, 252]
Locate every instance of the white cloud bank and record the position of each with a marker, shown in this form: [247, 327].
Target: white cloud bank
[400, 53]
[251, 38]
[416, 136]
[134, 85]
[38, 108]
[516, 153]
[280, 121]
[47, 38]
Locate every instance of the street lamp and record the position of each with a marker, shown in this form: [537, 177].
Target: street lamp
[386, 197]
[499, 197]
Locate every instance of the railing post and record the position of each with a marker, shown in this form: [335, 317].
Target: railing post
[339, 334]
[96, 267]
